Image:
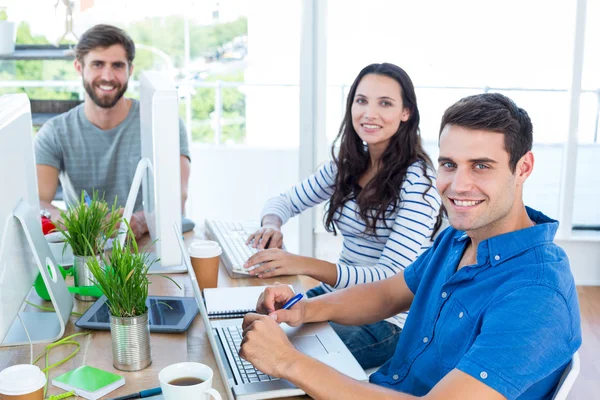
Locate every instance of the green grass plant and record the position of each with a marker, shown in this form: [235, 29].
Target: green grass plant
[92, 224]
[123, 277]
[3, 14]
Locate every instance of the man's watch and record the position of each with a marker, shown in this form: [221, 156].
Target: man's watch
[47, 224]
[45, 213]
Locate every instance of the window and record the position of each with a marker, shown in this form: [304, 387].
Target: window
[586, 211]
[454, 49]
[238, 86]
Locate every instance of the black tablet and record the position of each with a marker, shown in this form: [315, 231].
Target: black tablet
[166, 314]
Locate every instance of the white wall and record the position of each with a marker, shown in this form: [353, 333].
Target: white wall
[234, 182]
[584, 255]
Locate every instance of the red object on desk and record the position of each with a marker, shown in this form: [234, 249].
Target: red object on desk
[47, 225]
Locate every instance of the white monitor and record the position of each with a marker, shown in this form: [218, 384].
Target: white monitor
[159, 169]
[23, 248]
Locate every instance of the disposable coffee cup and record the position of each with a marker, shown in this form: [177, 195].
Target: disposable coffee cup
[187, 381]
[22, 382]
[204, 255]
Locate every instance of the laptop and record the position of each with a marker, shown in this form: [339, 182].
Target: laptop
[241, 380]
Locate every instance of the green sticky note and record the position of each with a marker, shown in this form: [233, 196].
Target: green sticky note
[89, 382]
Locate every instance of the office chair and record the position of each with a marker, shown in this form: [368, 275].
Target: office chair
[567, 379]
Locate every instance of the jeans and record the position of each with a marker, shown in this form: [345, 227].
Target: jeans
[371, 344]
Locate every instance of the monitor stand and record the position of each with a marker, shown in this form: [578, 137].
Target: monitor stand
[143, 171]
[158, 268]
[43, 327]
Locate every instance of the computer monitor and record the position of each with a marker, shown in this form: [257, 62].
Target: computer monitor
[23, 248]
[159, 169]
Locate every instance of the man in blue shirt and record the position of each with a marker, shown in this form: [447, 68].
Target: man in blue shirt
[493, 306]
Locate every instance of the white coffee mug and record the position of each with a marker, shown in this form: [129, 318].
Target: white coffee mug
[198, 391]
[63, 255]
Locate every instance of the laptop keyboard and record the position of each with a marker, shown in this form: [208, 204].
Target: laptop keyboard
[249, 374]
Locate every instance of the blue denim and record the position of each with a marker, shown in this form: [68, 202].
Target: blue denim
[371, 344]
[511, 320]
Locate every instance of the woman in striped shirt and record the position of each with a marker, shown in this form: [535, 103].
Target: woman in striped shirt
[380, 189]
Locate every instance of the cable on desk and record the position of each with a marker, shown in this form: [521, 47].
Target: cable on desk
[65, 341]
[50, 309]
[46, 351]
[62, 395]
[28, 338]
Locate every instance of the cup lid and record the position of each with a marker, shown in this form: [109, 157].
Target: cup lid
[204, 249]
[21, 379]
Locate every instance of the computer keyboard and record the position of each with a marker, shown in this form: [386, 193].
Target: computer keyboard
[232, 236]
[245, 370]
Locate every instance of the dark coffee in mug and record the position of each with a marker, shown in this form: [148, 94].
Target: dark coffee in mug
[186, 381]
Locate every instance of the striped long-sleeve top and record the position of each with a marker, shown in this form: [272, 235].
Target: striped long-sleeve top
[370, 257]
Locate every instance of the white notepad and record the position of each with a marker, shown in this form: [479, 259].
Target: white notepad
[232, 302]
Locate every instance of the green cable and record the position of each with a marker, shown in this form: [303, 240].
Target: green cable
[50, 309]
[64, 341]
[46, 352]
[62, 395]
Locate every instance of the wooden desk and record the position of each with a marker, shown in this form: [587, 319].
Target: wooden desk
[167, 349]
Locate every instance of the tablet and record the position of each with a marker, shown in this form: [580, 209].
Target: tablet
[165, 314]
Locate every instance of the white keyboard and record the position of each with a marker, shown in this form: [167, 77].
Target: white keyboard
[232, 236]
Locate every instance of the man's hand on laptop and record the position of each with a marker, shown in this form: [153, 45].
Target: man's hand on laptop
[266, 346]
[271, 303]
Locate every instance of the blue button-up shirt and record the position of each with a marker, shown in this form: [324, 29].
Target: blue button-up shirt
[511, 320]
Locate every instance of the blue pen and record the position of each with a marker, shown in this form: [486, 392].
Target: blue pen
[141, 395]
[293, 301]
[86, 198]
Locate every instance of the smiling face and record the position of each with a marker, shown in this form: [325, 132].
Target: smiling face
[105, 73]
[480, 192]
[377, 110]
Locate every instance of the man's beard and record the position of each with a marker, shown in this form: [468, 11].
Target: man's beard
[106, 102]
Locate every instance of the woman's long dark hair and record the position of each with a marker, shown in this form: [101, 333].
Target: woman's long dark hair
[405, 148]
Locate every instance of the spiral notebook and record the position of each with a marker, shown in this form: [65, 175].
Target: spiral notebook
[231, 302]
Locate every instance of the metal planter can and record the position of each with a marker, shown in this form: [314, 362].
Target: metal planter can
[130, 342]
[82, 276]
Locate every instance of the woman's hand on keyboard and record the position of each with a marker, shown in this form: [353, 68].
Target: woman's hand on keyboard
[269, 236]
[275, 262]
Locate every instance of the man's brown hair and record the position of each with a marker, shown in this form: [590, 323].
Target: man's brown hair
[104, 36]
[494, 112]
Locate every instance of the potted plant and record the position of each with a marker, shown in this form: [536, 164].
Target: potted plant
[7, 33]
[86, 227]
[122, 278]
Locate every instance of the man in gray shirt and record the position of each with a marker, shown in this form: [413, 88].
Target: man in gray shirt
[97, 145]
